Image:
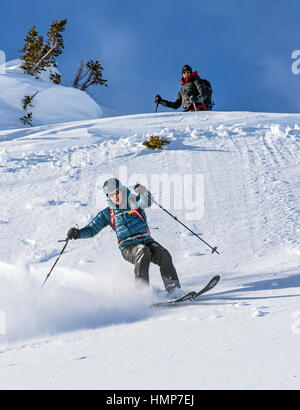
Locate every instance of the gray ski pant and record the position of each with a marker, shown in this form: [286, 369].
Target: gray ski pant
[141, 255]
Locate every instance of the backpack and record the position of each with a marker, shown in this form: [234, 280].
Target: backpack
[207, 93]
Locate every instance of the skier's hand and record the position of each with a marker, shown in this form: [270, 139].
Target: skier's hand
[157, 99]
[73, 233]
[193, 98]
[140, 189]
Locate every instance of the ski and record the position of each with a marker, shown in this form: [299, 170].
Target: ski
[211, 284]
[191, 295]
[172, 302]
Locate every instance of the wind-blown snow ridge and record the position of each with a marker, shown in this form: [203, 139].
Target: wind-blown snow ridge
[53, 104]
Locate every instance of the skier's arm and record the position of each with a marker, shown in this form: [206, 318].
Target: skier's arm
[176, 104]
[95, 226]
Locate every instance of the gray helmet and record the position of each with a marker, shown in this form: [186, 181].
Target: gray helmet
[111, 185]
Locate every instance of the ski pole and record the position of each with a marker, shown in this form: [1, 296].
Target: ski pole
[214, 249]
[156, 107]
[59, 256]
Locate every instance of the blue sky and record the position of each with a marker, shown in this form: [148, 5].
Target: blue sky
[243, 47]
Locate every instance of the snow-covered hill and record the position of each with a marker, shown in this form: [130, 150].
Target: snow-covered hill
[53, 104]
[90, 327]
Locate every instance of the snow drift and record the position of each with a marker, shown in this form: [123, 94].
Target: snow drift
[53, 104]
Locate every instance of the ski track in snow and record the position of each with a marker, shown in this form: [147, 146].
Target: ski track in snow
[51, 178]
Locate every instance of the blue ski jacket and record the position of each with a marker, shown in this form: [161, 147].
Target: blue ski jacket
[128, 220]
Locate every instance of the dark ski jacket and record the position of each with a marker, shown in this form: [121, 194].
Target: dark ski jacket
[129, 221]
[192, 86]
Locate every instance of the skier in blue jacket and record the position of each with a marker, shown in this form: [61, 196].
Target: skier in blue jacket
[125, 214]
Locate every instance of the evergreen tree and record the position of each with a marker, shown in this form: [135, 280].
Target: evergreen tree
[27, 119]
[32, 50]
[27, 102]
[55, 78]
[39, 54]
[89, 74]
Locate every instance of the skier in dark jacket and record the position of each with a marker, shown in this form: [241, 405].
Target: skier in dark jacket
[193, 94]
[126, 216]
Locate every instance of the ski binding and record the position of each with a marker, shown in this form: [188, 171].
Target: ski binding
[191, 295]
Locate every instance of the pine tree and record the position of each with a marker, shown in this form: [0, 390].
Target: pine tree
[89, 74]
[27, 119]
[55, 42]
[55, 78]
[27, 102]
[32, 50]
[39, 54]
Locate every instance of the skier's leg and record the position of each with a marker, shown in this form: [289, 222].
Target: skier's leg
[140, 256]
[161, 257]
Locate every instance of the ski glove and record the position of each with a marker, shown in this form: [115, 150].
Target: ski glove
[73, 233]
[140, 189]
[157, 99]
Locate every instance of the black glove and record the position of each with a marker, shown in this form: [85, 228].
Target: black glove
[73, 233]
[193, 98]
[157, 99]
[140, 189]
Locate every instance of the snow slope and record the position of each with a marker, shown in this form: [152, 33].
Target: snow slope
[90, 327]
[53, 103]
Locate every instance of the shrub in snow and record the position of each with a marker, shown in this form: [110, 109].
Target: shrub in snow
[156, 143]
